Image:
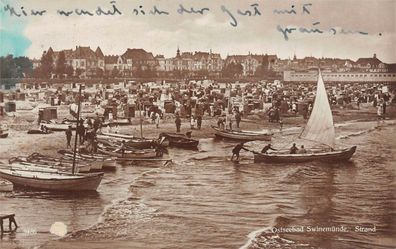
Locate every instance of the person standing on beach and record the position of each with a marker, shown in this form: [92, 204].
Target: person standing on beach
[157, 120]
[199, 121]
[81, 131]
[238, 118]
[178, 122]
[97, 122]
[68, 136]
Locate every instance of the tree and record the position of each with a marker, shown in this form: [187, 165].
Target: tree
[79, 71]
[115, 72]
[99, 73]
[69, 70]
[18, 67]
[8, 67]
[233, 70]
[47, 64]
[61, 64]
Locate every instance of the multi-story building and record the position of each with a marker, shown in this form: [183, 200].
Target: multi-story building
[251, 62]
[192, 62]
[84, 60]
[114, 62]
[373, 65]
[138, 59]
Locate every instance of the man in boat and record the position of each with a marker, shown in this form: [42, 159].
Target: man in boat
[302, 150]
[44, 128]
[293, 149]
[266, 148]
[178, 122]
[236, 150]
[229, 121]
[220, 123]
[68, 136]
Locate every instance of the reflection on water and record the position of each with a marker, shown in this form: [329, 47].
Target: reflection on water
[203, 200]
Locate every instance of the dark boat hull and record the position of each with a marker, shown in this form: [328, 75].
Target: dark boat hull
[180, 141]
[37, 131]
[81, 183]
[331, 156]
[3, 135]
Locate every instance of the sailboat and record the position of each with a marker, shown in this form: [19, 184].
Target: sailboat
[319, 129]
[50, 180]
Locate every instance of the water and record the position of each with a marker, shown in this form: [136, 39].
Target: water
[203, 200]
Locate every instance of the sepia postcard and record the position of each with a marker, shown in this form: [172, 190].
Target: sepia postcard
[200, 124]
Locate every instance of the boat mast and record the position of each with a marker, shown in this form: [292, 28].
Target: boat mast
[141, 120]
[78, 122]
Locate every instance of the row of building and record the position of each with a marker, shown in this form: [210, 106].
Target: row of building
[90, 62]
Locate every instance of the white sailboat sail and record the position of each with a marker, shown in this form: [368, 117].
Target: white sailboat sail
[320, 126]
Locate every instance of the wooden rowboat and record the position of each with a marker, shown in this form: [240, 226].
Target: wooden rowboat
[107, 163]
[330, 156]
[132, 141]
[123, 121]
[180, 140]
[136, 154]
[52, 181]
[38, 131]
[53, 126]
[242, 135]
[49, 163]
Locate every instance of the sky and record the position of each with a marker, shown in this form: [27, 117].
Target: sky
[163, 34]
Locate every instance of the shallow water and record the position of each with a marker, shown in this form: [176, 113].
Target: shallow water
[203, 200]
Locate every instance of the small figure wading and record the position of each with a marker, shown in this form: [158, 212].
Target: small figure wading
[236, 150]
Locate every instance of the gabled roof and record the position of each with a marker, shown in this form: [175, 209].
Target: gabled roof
[84, 53]
[372, 61]
[237, 58]
[99, 53]
[137, 54]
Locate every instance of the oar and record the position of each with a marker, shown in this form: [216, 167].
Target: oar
[255, 152]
